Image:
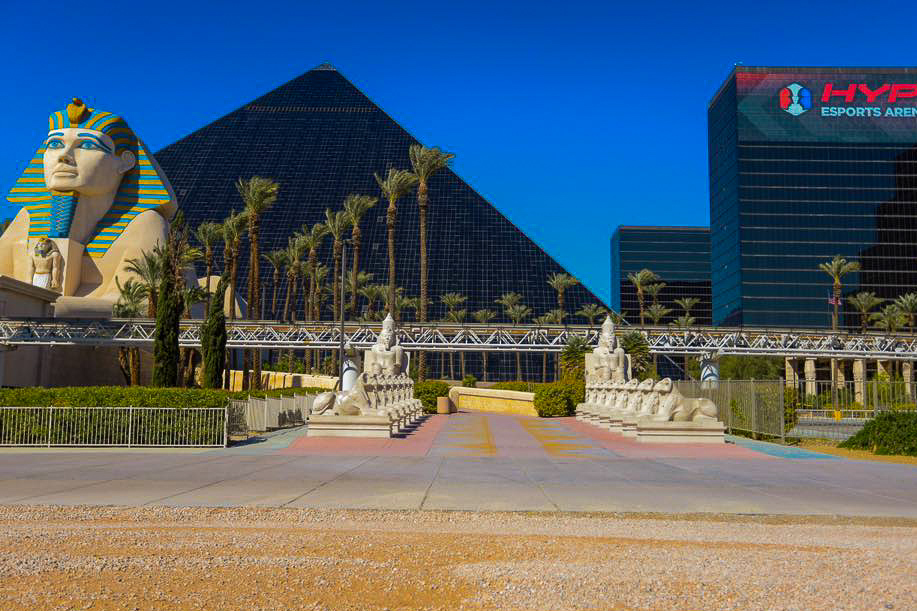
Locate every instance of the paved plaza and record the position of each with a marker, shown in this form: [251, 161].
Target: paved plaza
[467, 461]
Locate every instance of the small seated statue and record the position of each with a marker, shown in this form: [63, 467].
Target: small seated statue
[386, 357]
[628, 389]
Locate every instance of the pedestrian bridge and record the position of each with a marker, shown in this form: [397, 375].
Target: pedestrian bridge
[437, 337]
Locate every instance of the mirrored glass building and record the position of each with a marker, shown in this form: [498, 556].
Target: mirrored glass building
[806, 164]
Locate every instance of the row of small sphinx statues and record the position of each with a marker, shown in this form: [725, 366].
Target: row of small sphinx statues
[382, 389]
[647, 400]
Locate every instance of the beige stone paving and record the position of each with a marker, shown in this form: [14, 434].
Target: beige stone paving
[182, 559]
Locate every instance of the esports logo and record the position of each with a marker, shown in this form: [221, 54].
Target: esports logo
[795, 99]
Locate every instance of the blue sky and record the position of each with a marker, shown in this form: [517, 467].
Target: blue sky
[571, 118]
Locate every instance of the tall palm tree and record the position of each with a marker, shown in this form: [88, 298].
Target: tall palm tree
[548, 318]
[278, 260]
[337, 223]
[405, 304]
[653, 291]
[591, 311]
[889, 319]
[356, 206]
[687, 304]
[517, 313]
[684, 321]
[641, 280]
[233, 228]
[321, 289]
[362, 279]
[292, 255]
[148, 267]
[560, 283]
[130, 305]
[508, 300]
[907, 303]
[457, 317]
[394, 186]
[837, 268]
[312, 241]
[863, 302]
[208, 234]
[453, 301]
[483, 317]
[425, 162]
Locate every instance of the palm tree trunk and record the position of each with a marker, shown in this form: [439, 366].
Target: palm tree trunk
[336, 304]
[134, 356]
[484, 372]
[837, 299]
[390, 223]
[123, 364]
[209, 260]
[294, 286]
[276, 284]
[462, 363]
[355, 237]
[640, 303]
[544, 367]
[560, 304]
[313, 286]
[254, 282]
[518, 367]
[286, 302]
[422, 200]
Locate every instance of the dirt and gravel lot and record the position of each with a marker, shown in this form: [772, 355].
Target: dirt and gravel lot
[253, 559]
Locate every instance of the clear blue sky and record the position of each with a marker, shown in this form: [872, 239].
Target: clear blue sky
[570, 117]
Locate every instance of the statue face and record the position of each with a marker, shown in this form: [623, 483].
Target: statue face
[84, 160]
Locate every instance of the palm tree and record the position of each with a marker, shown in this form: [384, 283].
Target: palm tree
[907, 303]
[484, 317]
[278, 261]
[362, 279]
[321, 289]
[591, 311]
[406, 303]
[641, 280]
[425, 162]
[551, 317]
[191, 295]
[560, 283]
[208, 234]
[337, 223]
[889, 319]
[508, 300]
[233, 227]
[372, 293]
[356, 206]
[517, 313]
[654, 289]
[452, 301]
[312, 241]
[130, 305]
[837, 268]
[148, 268]
[687, 304]
[657, 312]
[458, 317]
[394, 186]
[863, 303]
[683, 322]
[292, 255]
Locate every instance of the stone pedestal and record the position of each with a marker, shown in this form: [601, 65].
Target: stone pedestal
[681, 432]
[907, 372]
[859, 381]
[839, 373]
[27, 365]
[811, 388]
[349, 426]
[791, 368]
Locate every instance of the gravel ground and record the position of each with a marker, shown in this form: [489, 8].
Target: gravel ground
[260, 559]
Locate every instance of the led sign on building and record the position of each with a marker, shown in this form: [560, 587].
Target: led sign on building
[827, 106]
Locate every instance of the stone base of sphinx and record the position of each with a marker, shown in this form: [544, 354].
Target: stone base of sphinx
[701, 431]
[349, 426]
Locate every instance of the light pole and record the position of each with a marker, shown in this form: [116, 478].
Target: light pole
[341, 313]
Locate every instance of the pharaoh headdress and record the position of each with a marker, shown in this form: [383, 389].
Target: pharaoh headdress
[142, 188]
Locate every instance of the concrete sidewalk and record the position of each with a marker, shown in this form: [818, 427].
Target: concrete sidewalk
[468, 461]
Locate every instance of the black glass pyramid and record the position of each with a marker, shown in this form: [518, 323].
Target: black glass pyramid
[322, 139]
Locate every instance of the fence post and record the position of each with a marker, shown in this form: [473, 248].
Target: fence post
[729, 406]
[225, 425]
[754, 408]
[875, 395]
[50, 422]
[781, 402]
[130, 425]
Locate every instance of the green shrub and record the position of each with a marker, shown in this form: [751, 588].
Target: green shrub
[428, 392]
[138, 396]
[888, 433]
[469, 381]
[554, 400]
[517, 386]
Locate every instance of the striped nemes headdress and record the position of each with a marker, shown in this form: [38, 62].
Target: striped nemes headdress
[142, 188]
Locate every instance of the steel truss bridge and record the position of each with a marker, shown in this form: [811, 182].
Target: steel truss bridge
[439, 337]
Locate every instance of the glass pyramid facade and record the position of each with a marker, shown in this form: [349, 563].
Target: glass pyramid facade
[322, 139]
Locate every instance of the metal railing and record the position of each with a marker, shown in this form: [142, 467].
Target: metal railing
[201, 427]
[259, 415]
[744, 406]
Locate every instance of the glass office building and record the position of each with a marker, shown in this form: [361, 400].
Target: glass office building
[680, 256]
[805, 164]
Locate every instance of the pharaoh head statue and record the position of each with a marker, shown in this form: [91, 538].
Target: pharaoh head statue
[91, 154]
[44, 247]
[607, 338]
[387, 335]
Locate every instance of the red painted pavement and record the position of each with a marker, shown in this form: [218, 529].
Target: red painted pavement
[416, 443]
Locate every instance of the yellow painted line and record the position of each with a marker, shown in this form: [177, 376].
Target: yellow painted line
[475, 437]
[554, 440]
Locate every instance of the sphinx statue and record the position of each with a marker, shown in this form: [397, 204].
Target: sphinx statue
[93, 191]
[675, 407]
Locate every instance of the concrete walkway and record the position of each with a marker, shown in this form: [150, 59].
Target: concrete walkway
[468, 461]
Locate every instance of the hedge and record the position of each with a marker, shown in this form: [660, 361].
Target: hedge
[887, 433]
[559, 398]
[517, 386]
[428, 391]
[138, 396]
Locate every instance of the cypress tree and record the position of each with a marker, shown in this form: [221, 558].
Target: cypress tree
[168, 314]
[213, 339]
